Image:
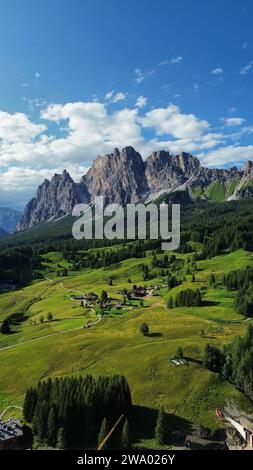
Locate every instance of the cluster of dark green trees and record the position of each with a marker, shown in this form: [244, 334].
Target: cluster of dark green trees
[235, 362]
[173, 281]
[238, 279]
[12, 319]
[186, 298]
[69, 411]
[18, 265]
[242, 280]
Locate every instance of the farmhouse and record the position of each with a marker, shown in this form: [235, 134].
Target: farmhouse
[10, 433]
[90, 297]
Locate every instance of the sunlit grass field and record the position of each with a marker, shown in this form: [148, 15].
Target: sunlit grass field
[115, 345]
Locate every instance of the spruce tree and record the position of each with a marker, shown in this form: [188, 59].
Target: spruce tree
[126, 436]
[104, 429]
[52, 427]
[61, 439]
[160, 429]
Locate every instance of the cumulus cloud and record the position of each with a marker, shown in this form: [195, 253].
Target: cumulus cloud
[171, 121]
[231, 154]
[141, 102]
[18, 128]
[29, 153]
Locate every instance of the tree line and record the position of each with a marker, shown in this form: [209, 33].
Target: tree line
[234, 362]
[69, 411]
[186, 298]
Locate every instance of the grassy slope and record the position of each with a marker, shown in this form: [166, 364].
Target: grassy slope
[115, 346]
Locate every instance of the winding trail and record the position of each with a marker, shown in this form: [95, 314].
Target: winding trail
[57, 332]
[62, 286]
[8, 407]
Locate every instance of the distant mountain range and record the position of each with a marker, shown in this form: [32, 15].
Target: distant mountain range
[124, 177]
[9, 219]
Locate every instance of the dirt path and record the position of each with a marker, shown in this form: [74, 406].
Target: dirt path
[57, 332]
[65, 288]
[50, 334]
[7, 408]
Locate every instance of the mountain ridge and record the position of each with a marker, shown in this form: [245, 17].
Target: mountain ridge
[8, 219]
[125, 177]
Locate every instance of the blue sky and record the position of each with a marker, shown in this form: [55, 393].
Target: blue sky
[81, 77]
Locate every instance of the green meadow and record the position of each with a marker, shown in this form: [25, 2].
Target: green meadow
[38, 349]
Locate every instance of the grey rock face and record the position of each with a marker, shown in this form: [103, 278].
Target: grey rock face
[118, 176]
[124, 177]
[54, 198]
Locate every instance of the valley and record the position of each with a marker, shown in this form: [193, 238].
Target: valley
[37, 349]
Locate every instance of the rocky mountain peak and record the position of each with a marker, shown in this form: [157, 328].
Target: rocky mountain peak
[124, 177]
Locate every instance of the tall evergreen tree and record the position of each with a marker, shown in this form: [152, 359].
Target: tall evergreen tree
[52, 427]
[160, 429]
[126, 436]
[61, 439]
[104, 429]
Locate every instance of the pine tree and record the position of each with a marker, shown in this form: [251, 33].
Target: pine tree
[126, 436]
[51, 427]
[104, 429]
[180, 353]
[160, 429]
[61, 439]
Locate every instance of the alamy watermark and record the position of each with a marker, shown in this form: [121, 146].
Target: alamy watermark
[135, 221]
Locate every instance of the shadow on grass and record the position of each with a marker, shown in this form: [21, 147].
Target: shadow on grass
[155, 335]
[145, 418]
[192, 359]
[209, 303]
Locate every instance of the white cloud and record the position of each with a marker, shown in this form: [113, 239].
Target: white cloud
[229, 155]
[247, 68]
[37, 75]
[217, 71]
[28, 153]
[114, 97]
[18, 128]
[176, 60]
[141, 101]
[234, 121]
[171, 121]
[245, 45]
[139, 75]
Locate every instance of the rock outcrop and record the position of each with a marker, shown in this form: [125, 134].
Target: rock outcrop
[124, 177]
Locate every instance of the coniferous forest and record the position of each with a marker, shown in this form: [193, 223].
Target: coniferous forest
[70, 411]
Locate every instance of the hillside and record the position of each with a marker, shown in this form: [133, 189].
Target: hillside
[113, 344]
